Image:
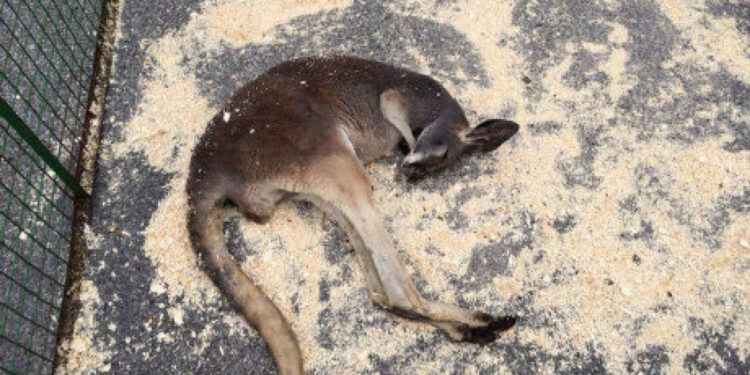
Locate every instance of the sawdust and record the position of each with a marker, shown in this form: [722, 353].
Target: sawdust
[714, 41]
[165, 121]
[247, 21]
[290, 258]
[83, 353]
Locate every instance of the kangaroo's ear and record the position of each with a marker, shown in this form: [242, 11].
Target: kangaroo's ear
[490, 134]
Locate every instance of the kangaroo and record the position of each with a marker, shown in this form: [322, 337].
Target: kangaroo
[303, 130]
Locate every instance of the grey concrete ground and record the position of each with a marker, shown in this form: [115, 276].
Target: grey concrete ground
[616, 223]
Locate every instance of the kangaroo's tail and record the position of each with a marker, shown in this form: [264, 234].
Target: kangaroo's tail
[204, 224]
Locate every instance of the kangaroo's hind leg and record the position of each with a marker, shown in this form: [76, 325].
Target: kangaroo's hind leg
[339, 184]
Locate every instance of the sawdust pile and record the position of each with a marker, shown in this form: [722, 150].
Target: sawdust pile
[83, 354]
[242, 22]
[524, 177]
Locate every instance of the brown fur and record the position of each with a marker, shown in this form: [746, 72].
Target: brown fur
[302, 130]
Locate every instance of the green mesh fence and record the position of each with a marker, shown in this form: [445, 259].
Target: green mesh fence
[47, 49]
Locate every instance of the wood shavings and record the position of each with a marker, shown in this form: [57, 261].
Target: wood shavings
[583, 277]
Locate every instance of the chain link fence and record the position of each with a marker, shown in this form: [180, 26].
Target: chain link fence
[47, 51]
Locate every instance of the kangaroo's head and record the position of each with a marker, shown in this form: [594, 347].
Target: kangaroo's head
[444, 140]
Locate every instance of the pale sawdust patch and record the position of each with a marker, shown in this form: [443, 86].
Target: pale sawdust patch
[83, 353]
[248, 21]
[716, 42]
